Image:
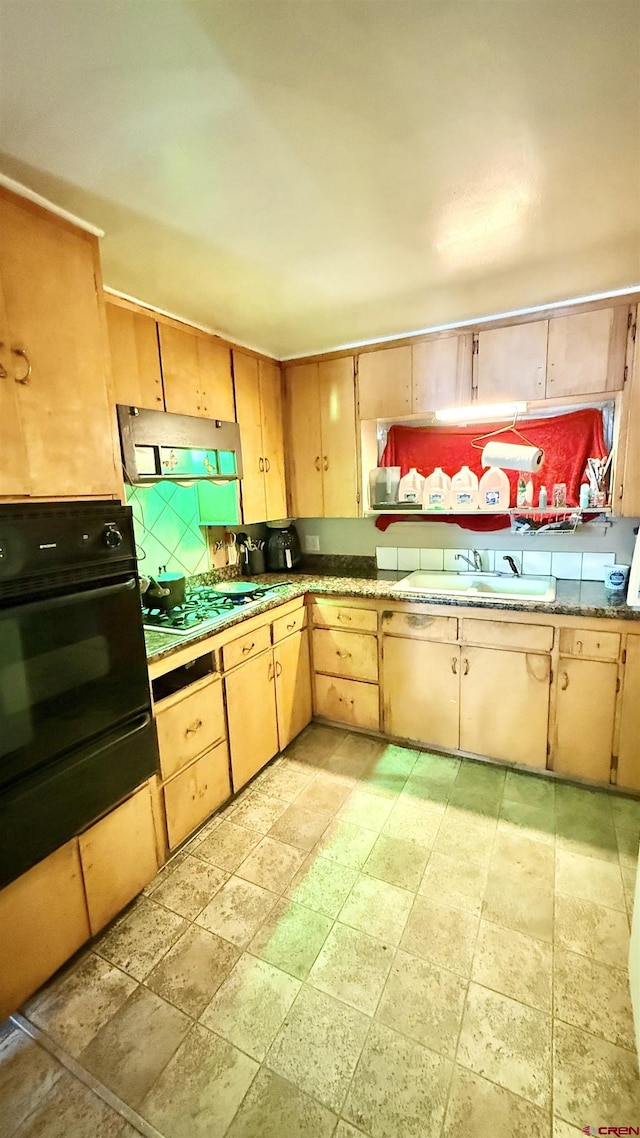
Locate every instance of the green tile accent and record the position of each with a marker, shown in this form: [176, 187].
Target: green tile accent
[218, 503]
[167, 528]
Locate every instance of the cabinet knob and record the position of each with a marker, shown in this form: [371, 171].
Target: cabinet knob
[343, 616]
[24, 379]
[248, 647]
[565, 681]
[290, 627]
[317, 462]
[326, 462]
[195, 726]
[454, 665]
[343, 655]
[267, 465]
[261, 465]
[465, 667]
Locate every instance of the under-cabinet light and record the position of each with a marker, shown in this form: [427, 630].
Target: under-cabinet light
[477, 412]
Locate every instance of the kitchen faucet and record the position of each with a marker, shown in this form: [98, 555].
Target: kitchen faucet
[476, 564]
[512, 565]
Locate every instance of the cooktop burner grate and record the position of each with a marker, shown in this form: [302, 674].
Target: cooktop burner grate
[203, 606]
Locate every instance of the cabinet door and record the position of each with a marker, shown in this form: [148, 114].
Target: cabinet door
[304, 441]
[512, 362]
[195, 793]
[135, 358]
[420, 690]
[384, 383]
[585, 714]
[338, 418]
[504, 704]
[293, 686]
[442, 373]
[196, 371]
[51, 280]
[272, 439]
[251, 713]
[188, 724]
[247, 389]
[587, 352]
[628, 464]
[629, 745]
[14, 471]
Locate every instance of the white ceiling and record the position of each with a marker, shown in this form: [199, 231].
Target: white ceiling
[300, 174]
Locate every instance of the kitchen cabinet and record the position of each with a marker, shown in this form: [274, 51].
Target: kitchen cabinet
[442, 373]
[196, 373]
[350, 654]
[195, 792]
[135, 358]
[511, 362]
[421, 690]
[293, 686]
[504, 704]
[258, 393]
[352, 702]
[58, 422]
[629, 738]
[252, 717]
[188, 723]
[587, 352]
[627, 472]
[384, 383]
[321, 439]
[585, 716]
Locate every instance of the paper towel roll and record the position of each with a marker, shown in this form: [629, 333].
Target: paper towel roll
[512, 457]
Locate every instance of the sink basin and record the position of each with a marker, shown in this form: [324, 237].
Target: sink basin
[492, 586]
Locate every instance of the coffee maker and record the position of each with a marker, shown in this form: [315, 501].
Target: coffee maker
[282, 548]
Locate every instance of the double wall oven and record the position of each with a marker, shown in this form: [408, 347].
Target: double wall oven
[76, 732]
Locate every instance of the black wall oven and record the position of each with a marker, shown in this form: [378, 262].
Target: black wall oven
[76, 733]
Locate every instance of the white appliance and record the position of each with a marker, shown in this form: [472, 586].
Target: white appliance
[633, 589]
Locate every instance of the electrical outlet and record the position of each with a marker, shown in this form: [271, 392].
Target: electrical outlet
[311, 543]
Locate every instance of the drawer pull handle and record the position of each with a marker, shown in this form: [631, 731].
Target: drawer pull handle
[267, 465]
[343, 616]
[271, 672]
[565, 681]
[290, 627]
[454, 665]
[326, 462]
[24, 379]
[578, 646]
[344, 655]
[278, 668]
[317, 464]
[248, 647]
[465, 667]
[261, 465]
[195, 726]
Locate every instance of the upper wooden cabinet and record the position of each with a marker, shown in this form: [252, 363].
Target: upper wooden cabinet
[587, 352]
[511, 362]
[196, 372]
[135, 359]
[321, 438]
[258, 388]
[384, 383]
[56, 423]
[442, 373]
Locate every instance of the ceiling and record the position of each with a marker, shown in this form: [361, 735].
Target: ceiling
[301, 174]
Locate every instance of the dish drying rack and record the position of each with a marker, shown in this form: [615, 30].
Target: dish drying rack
[556, 521]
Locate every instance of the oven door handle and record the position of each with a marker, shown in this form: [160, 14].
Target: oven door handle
[89, 595]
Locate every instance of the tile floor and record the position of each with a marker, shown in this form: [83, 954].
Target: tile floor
[369, 941]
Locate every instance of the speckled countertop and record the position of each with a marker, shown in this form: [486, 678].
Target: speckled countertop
[573, 598]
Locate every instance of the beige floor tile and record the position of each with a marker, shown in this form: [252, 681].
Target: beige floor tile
[464, 840]
[457, 816]
[71, 1110]
[322, 885]
[291, 937]
[365, 747]
[346, 844]
[286, 782]
[228, 845]
[578, 801]
[589, 879]
[27, 1074]
[479, 803]
[272, 864]
[565, 1130]
[353, 967]
[508, 1043]
[399, 1088]
[441, 934]
[377, 908]
[368, 810]
[188, 888]
[397, 861]
[319, 1045]
[592, 930]
[530, 790]
[594, 997]
[237, 911]
[138, 942]
[513, 964]
[300, 827]
[259, 812]
[249, 1007]
[477, 1107]
[200, 1090]
[534, 822]
[436, 768]
[519, 904]
[452, 882]
[593, 1079]
[588, 837]
[424, 1003]
[274, 1108]
[524, 858]
[325, 794]
[413, 822]
[346, 1130]
[72, 1009]
[628, 843]
[315, 744]
[423, 789]
[131, 1050]
[193, 969]
[625, 811]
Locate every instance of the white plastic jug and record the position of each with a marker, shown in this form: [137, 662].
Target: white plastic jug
[494, 492]
[464, 490]
[411, 486]
[437, 491]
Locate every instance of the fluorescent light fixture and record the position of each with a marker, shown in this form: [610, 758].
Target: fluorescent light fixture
[486, 411]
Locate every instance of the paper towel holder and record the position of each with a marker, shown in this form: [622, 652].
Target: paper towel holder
[478, 443]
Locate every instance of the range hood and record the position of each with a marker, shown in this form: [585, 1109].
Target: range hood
[158, 446]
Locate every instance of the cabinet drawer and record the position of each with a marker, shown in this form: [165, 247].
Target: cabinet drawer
[598, 645]
[237, 651]
[420, 626]
[195, 793]
[350, 654]
[339, 616]
[285, 625]
[347, 701]
[189, 726]
[507, 634]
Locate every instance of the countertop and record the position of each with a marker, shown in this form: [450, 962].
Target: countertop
[573, 598]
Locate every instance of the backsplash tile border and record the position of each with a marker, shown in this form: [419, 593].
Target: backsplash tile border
[568, 565]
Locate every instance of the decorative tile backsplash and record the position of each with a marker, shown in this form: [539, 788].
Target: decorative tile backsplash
[165, 523]
[569, 566]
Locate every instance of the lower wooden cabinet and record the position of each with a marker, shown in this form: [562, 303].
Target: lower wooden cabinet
[353, 655]
[347, 701]
[629, 741]
[196, 792]
[251, 711]
[421, 690]
[119, 857]
[293, 686]
[189, 723]
[585, 718]
[504, 704]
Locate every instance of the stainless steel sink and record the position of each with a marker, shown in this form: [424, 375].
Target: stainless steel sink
[492, 586]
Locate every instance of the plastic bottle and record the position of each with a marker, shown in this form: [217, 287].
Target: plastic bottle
[494, 490]
[584, 496]
[528, 493]
[411, 487]
[436, 494]
[521, 499]
[464, 490]
[543, 498]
